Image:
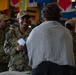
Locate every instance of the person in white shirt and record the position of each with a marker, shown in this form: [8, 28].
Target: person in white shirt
[50, 42]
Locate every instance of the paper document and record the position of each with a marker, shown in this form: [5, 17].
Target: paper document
[21, 41]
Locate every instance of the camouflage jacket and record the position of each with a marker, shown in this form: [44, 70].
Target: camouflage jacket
[18, 60]
[74, 46]
[3, 56]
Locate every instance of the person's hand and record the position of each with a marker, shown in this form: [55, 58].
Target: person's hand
[19, 48]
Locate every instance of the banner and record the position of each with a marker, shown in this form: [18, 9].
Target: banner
[67, 10]
[69, 14]
[44, 1]
[4, 5]
[23, 4]
[14, 3]
[64, 4]
[32, 3]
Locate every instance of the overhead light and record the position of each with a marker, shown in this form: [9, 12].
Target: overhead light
[29, 26]
[73, 0]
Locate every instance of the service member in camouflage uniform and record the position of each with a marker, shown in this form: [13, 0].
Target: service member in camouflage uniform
[71, 24]
[4, 27]
[18, 59]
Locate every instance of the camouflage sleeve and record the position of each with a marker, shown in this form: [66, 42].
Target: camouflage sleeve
[7, 44]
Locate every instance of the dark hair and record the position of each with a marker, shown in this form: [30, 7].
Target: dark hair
[51, 12]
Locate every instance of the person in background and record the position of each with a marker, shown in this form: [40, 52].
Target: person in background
[71, 25]
[18, 59]
[50, 44]
[4, 28]
[74, 19]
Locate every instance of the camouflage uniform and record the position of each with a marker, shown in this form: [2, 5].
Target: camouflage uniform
[71, 25]
[18, 60]
[3, 57]
[74, 46]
